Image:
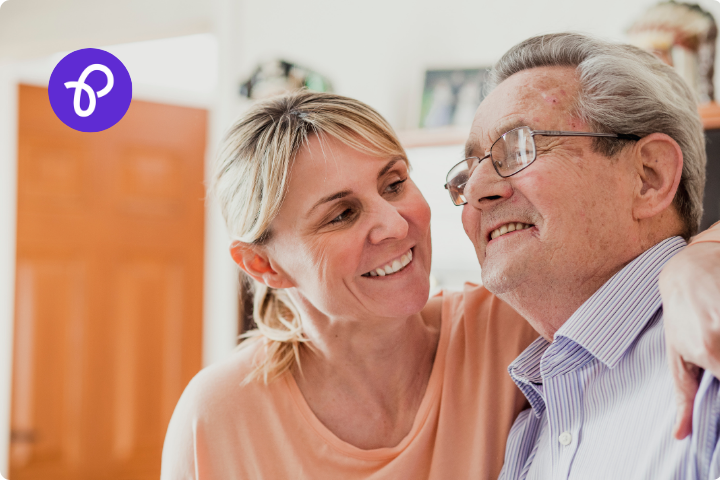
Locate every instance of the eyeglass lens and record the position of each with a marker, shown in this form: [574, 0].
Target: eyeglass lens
[458, 177]
[509, 154]
[513, 151]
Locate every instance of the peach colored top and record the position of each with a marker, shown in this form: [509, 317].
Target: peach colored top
[222, 430]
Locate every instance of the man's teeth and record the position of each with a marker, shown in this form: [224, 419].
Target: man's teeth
[393, 267]
[507, 228]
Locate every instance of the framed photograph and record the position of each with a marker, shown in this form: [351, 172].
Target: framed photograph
[450, 97]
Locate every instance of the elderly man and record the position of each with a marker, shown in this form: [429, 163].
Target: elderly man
[596, 151]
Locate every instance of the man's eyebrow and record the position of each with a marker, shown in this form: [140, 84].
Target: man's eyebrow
[473, 142]
[471, 145]
[330, 198]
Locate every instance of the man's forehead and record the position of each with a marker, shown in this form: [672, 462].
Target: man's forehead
[540, 98]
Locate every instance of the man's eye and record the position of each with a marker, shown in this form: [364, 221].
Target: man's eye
[344, 216]
[395, 187]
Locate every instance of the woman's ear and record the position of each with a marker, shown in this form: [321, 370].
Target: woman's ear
[255, 262]
[659, 163]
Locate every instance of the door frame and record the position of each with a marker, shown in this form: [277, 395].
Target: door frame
[8, 215]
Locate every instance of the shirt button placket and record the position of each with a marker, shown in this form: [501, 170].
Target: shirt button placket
[569, 423]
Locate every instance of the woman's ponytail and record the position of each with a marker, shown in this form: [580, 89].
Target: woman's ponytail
[280, 330]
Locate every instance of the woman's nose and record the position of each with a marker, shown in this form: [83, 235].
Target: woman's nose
[485, 186]
[389, 224]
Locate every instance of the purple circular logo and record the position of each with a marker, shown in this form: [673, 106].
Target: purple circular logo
[90, 90]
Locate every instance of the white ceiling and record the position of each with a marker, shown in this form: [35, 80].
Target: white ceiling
[34, 28]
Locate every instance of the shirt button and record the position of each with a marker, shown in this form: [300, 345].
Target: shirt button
[565, 438]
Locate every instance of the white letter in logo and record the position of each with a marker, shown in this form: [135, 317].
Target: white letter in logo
[80, 86]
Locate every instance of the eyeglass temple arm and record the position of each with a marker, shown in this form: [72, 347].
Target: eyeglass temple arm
[554, 133]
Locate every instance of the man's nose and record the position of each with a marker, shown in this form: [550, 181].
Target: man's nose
[485, 187]
[388, 223]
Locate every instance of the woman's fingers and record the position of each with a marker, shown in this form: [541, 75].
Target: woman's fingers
[687, 379]
[690, 289]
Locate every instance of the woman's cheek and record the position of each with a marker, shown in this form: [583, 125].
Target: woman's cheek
[345, 251]
[419, 211]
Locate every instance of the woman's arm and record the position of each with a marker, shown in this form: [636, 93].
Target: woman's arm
[690, 289]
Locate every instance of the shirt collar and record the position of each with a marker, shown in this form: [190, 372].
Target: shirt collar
[605, 325]
[613, 317]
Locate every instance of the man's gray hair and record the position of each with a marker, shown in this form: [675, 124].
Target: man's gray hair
[624, 89]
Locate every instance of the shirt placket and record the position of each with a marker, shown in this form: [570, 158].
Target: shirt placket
[563, 400]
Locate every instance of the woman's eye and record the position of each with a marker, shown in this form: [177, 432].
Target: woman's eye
[346, 214]
[395, 187]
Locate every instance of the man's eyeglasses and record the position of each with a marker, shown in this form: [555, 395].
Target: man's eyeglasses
[512, 152]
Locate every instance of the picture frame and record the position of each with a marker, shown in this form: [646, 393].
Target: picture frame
[450, 97]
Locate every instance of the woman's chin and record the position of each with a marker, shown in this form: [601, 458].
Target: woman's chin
[401, 301]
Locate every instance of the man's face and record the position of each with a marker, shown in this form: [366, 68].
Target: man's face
[578, 202]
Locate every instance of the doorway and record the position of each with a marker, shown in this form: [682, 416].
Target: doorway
[109, 279]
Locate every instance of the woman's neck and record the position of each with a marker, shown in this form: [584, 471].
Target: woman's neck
[365, 379]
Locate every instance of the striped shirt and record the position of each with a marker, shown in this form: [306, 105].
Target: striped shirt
[601, 394]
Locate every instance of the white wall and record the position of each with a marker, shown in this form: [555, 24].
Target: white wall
[33, 28]
[221, 287]
[377, 50]
[453, 259]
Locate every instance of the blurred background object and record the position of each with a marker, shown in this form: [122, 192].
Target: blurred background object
[682, 35]
[279, 76]
[117, 284]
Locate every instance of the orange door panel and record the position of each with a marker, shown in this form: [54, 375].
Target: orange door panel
[108, 316]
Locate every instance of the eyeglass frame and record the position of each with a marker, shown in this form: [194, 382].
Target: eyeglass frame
[543, 133]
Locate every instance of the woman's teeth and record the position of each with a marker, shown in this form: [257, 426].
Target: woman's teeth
[393, 267]
[507, 228]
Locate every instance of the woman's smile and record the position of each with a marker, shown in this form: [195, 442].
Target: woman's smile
[392, 267]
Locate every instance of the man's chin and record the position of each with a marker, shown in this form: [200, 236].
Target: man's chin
[499, 279]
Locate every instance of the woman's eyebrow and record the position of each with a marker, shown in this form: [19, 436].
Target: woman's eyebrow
[388, 166]
[345, 193]
[329, 198]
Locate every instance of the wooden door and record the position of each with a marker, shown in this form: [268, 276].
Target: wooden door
[108, 315]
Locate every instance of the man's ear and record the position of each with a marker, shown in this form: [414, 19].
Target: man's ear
[256, 263]
[659, 163]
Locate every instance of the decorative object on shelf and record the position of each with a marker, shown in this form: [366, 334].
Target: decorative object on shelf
[683, 35]
[450, 97]
[279, 76]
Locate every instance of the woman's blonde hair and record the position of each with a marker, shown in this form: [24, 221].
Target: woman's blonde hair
[250, 183]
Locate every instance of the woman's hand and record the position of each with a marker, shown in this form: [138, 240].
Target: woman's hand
[690, 289]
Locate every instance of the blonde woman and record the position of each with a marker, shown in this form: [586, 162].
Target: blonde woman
[351, 374]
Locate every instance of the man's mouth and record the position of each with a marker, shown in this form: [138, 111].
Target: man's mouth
[507, 228]
[391, 267]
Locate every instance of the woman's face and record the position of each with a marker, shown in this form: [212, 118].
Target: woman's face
[347, 214]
